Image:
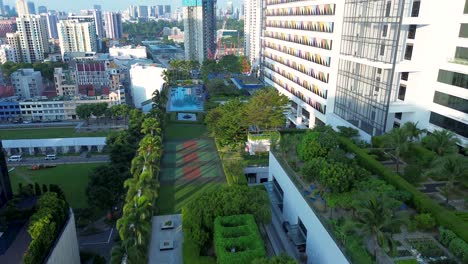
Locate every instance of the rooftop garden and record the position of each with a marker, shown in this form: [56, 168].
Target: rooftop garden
[372, 211]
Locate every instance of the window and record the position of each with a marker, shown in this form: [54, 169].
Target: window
[463, 31]
[396, 125]
[404, 76]
[408, 52]
[402, 92]
[453, 78]
[388, 8]
[379, 71]
[398, 115]
[465, 11]
[384, 30]
[382, 50]
[451, 101]
[415, 10]
[412, 32]
[461, 53]
[449, 123]
[302, 227]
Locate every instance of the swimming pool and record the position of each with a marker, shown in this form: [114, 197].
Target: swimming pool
[186, 99]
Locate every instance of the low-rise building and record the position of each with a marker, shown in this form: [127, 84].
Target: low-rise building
[134, 52]
[8, 53]
[65, 82]
[27, 83]
[145, 79]
[9, 110]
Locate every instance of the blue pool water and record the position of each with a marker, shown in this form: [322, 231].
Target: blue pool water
[186, 99]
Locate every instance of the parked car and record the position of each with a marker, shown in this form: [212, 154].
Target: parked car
[51, 157]
[15, 158]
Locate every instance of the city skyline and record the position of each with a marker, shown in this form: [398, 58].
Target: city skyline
[107, 5]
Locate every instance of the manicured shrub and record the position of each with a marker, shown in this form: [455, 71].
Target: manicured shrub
[357, 252]
[378, 141]
[424, 221]
[420, 201]
[310, 147]
[413, 173]
[459, 248]
[311, 169]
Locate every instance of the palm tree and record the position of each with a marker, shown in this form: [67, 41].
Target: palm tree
[397, 139]
[442, 142]
[124, 111]
[412, 130]
[454, 166]
[151, 127]
[375, 216]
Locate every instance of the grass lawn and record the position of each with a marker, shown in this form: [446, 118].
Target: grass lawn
[38, 133]
[184, 131]
[72, 178]
[191, 254]
[173, 197]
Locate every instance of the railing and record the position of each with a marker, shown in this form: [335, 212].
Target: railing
[312, 10]
[325, 27]
[303, 40]
[299, 53]
[300, 187]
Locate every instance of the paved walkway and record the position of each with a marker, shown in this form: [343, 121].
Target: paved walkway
[158, 236]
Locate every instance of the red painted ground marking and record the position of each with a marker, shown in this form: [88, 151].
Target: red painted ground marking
[191, 157]
[189, 145]
[191, 172]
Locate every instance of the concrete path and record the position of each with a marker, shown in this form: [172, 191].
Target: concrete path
[172, 256]
[29, 161]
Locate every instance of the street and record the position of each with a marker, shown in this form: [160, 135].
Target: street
[29, 161]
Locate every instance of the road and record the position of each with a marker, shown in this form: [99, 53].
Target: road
[29, 161]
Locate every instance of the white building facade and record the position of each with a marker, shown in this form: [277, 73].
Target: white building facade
[145, 80]
[252, 30]
[33, 39]
[27, 83]
[9, 53]
[138, 52]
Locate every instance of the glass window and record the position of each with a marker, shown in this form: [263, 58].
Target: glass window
[402, 92]
[398, 115]
[382, 50]
[461, 53]
[404, 76]
[465, 11]
[463, 31]
[453, 78]
[451, 101]
[412, 32]
[388, 8]
[302, 227]
[384, 30]
[408, 52]
[415, 10]
[449, 123]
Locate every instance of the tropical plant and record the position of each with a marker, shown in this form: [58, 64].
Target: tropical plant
[412, 131]
[442, 142]
[452, 167]
[376, 217]
[397, 140]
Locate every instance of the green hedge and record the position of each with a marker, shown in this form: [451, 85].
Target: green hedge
[191, 253]
[420, 201]
[457, 246]
[234, 171]
[239, 232]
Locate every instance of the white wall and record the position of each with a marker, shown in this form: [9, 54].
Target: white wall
[320, 247]
[145, 79]
[66, 250]
[138, 52]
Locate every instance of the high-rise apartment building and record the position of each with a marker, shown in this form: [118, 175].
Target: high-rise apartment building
[14, 42]
[252, 30]
[2, 9]
[77, 36]
[31, 8]
[97, 14]
[167, 9]
[5, 184]
[113, 25]
[22, 8]
[199, 29]
[365, 64]
[52, 21]
[9, 53]
[42, 10]
[27, 83]
[143, 11]
[7, 25]
[33, 38]
[160, 10]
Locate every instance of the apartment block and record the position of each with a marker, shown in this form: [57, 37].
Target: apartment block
[65, 82]
[9, 53]
[7, 25]
[252, 30]
[33, 39]
[199, 29]
[113, 25]
[27, 83]
[76, 36]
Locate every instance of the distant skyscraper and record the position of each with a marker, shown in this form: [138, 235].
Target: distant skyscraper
[229, 8]
[113, 25]
[97, 7]
[33, 38]
[167, 9]
[153, 10]
[5, 184]
[2, 8]
[199, 29]
[7, 10]
[52, 21]
[31, 8]
[42, 10]
[160, 10]
[252, 30]
[142, 11]
[77, 36]
[97, 13]
[22, 7]
[133, 11]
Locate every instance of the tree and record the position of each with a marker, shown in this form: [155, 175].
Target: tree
[454, 167]
[397, 140]
[442, 142]
[99, 109]
[105, 187]
[348, 132]
[226, 122]
[265, 110]
[230, 64]
[84, 111]
[151, 126]
[376, 217]
[310, 147]
[412, 131]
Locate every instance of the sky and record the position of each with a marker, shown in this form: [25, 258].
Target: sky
[107, 5]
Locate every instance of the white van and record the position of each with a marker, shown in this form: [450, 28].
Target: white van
[15, 158]
[50, 157]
